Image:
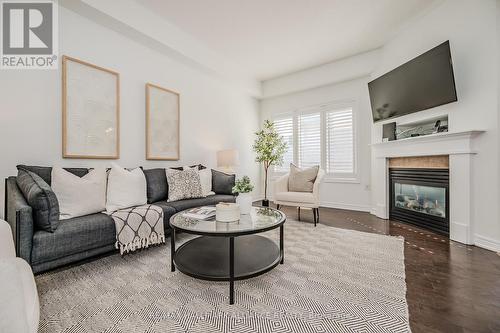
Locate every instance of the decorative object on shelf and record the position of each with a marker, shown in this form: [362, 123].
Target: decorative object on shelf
[439, 128]
[227, 212]
[270, 148]
[91, 110]
[244, 188]
[227, 160]
[389, 132]
[162, 123]
[422, 127]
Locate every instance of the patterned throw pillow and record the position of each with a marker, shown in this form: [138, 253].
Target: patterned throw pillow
[183, 184]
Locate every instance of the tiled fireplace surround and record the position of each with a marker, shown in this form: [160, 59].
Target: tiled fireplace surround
[458, 147]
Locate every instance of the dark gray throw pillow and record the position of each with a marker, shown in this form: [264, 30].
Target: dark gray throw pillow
[222, 183]
[199, 166]
[41, 198]
[157, 187]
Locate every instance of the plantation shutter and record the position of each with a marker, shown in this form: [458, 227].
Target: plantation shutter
[309, 139]
[284, 127]
[340, 141]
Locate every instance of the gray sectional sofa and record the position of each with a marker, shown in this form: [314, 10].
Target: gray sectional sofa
[87, 236]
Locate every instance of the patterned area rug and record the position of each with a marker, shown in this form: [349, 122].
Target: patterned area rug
[333, 280]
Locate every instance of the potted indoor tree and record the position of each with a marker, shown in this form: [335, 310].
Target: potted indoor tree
[244, 188]
[270, 148]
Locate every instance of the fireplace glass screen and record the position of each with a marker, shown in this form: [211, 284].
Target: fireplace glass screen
[424, 199]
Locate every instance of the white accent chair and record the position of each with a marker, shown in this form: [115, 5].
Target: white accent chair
[19, 304]
[282, 197]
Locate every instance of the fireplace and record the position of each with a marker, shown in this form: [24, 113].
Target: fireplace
[420, 196]
[458, 147]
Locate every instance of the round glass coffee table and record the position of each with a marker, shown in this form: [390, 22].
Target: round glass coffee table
[228, 251]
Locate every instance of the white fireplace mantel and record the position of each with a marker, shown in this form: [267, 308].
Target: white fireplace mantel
[459, 147]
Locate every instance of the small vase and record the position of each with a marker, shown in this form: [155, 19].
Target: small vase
[265, 203]
[245, 202]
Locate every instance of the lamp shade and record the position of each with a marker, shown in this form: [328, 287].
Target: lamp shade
[228, 158]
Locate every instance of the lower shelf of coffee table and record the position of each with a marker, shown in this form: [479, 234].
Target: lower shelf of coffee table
[207, 257]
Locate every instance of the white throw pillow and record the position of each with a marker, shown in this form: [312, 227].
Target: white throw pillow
[79, 196]
[125, 188]
[206, 182]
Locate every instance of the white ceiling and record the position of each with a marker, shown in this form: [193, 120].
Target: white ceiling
[270, 38]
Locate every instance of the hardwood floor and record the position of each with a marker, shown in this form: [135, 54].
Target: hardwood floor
[450, 287]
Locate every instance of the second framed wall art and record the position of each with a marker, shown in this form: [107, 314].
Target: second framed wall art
[162, 123]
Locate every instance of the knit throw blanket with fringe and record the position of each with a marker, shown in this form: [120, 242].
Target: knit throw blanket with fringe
[138, 227]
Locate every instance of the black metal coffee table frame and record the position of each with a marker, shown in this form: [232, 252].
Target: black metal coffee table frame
[255, 255]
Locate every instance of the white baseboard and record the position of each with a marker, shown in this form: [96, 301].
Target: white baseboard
[337, 205]
[487, 243]
[460, 232]
[346, 206]
[379, 211]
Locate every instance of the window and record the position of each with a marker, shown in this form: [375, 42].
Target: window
[323, 135]
[284, 126]
[309, 140]
[339, 142]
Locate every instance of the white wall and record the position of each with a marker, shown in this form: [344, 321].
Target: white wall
[213, 114]
[498, 101]
[150, 28]
[498, 91]
[342, 70]
[471, 28]
[354, 196]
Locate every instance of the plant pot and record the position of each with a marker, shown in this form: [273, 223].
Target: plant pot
[245, 202]
[265, 203]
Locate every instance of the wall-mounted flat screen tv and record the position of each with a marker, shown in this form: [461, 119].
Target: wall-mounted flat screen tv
[422, 83]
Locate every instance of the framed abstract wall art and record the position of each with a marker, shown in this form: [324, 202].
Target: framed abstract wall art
[91, 110]
[162, 123]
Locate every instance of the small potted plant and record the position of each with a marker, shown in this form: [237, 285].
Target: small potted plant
[244, 188]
